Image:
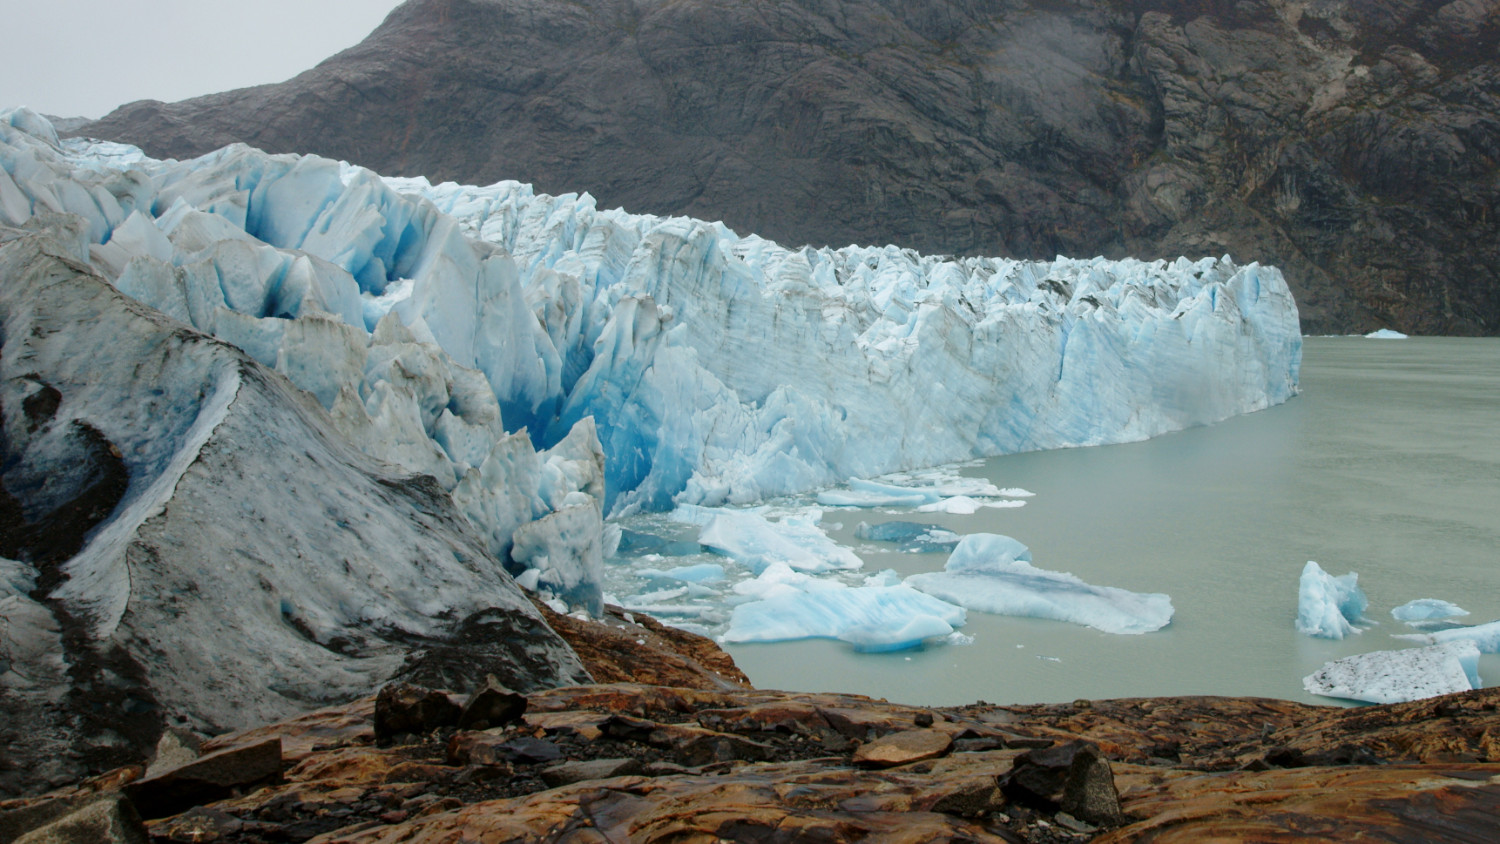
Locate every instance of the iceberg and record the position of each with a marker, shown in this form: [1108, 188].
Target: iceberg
[1427, 609]
[701, 573]
[1399, 676]
[1385, 334]
[872, 618]
[1329, 607]
[993, 573]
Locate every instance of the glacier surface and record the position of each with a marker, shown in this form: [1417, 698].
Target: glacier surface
[1399, 676]
[993, 573]
[1329, 607]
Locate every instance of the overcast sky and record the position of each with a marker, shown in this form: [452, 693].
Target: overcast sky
[81, 58]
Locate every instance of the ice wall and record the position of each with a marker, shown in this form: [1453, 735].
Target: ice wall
[452, 330]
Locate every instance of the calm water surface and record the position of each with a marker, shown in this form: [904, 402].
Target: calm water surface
[1388, 464]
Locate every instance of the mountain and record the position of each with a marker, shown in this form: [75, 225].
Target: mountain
[1353, 144]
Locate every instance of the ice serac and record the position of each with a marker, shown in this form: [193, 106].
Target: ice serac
[1399, 676]
[993, 573]
[1329, 607]
[188, 538]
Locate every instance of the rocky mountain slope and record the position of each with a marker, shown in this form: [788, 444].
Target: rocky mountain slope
[1354, 144]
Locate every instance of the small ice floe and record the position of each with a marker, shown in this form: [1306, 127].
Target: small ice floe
[1329, 607]
[1427, 613]
[1399, 676]
[756, 542]
[913, 537]
[1385, 334]
[963, 505]
[993, 573]
[1484, 636]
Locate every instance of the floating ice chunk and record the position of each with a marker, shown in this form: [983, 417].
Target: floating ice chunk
[963, 505]
[870, 617]
[1386, 334]
[979, 551]
[1427, 609]
[701, 573]
[756, 542]
[883, 638]
[1329, 607]
[885, 577]
[778, 579]
[1486, 636]
[1016, 492]
[1399, 676]
[992, 573]
[912, 536]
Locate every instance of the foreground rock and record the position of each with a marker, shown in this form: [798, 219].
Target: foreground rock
[1351, 144]
[653, 763]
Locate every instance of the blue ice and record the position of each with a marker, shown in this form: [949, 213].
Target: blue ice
[1329, 607]
[1427, 609]
[993, 573]
[911, 536]
[872, 618]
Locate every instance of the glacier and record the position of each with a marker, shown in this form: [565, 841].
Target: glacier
[538, 356]
[1399, 676]
[551, 366]
[1329, 607]
[993, 573]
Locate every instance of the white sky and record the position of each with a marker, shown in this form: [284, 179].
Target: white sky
[82, 58]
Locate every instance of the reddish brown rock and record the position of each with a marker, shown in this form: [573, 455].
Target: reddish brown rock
[630, 648]
[903, 749]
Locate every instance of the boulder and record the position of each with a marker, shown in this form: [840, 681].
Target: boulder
[213, 777]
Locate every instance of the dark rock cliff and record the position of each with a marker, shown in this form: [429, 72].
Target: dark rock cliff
[1353, 143]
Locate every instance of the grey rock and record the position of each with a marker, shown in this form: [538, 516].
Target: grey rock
[212, 777]
[1073, 777]
[405, 709]
[1351, 144]
[492, 706]
[102, 819]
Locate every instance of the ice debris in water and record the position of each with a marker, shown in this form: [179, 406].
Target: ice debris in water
[755, 542]
[1385, 334]
[1485, 636]
[913, 537]
[993, 573]
[1329, 607]
[1399, 676]
[700, 573]
[1427, 610]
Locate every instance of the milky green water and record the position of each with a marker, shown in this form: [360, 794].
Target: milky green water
[1388, 464]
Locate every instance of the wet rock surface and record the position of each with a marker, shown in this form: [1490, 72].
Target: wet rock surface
[627, 762]
[1351, 144]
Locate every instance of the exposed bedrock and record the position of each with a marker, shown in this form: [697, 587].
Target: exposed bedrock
[1352, 144]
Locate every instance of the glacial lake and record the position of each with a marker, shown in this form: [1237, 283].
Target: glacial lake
[1387, 464]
